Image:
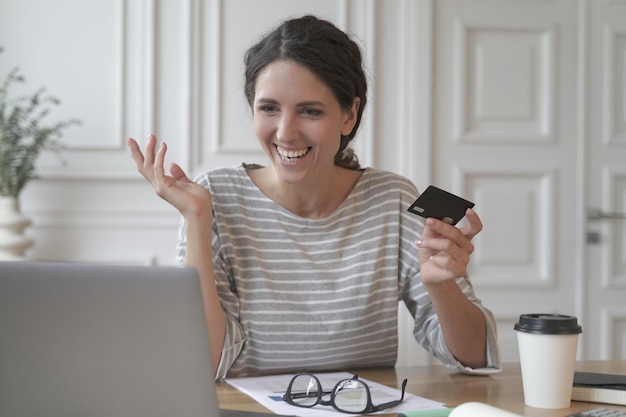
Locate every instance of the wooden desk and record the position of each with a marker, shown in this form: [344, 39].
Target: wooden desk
[503, 390]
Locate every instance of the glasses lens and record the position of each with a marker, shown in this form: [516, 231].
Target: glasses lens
[305, 391]
[351, 396]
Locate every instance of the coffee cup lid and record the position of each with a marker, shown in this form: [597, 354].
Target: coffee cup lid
[548, 324]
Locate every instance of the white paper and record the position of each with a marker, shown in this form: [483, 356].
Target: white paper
[269, 391]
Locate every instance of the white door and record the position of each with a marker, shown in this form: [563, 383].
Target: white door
[605, 285]
[530, 124]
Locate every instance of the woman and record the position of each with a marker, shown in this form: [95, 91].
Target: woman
[303, 262]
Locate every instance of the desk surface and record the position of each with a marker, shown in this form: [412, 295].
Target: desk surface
[503, 390]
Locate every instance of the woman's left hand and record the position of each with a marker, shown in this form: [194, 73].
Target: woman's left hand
[444, 250]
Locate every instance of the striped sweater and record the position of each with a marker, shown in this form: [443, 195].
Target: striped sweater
[305, 294]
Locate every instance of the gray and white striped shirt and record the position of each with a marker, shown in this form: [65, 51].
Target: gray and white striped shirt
[305, 294]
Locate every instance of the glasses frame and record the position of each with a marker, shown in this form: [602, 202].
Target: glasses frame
[288, 397]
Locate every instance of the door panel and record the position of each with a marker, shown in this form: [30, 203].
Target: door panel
[605, 285]
[505, 138]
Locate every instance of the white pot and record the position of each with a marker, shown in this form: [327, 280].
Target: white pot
[13, 243]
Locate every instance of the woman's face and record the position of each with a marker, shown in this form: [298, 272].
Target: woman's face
[298, 120]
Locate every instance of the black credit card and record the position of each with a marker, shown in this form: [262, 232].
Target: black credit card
[440, 204]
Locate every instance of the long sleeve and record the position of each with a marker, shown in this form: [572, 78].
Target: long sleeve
[427, 330]
[234, 337]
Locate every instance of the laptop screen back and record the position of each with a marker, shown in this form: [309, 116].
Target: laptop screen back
[103, 341]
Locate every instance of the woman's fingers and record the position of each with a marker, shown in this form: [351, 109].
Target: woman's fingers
[150, 163]
[444, 237]
[157, 165]
[445, 250]
[475, 224]
[138, 157]
[149, 155]
[178, 174]
[135, 152]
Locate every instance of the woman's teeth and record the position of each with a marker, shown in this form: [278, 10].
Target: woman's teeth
[290, 156]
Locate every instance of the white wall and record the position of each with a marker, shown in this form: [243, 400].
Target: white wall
[129, 68]
[173, 68]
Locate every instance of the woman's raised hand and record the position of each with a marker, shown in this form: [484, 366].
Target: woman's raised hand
[177, 189]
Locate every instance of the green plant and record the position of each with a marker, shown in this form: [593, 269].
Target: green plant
[23, 135]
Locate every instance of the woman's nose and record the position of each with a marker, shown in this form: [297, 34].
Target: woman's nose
[288, 128]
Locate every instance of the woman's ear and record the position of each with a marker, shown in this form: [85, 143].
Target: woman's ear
[350, 116]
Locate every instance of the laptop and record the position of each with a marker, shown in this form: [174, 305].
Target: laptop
[103, 341]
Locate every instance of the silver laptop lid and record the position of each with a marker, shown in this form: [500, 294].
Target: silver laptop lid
[103, 341]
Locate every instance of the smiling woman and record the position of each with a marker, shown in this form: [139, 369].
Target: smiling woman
[320, 47]
[301, 133]
[303, 261]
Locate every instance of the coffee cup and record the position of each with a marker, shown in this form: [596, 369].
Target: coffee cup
[547, 349]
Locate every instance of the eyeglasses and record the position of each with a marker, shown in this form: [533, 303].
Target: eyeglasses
[348, 396]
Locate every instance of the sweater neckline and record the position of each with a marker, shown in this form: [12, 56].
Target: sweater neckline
[358, 187]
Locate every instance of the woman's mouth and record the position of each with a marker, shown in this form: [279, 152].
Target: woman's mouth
[293, 154]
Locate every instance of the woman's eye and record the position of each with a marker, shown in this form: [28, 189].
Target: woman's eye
[267, 108]
[312, 112]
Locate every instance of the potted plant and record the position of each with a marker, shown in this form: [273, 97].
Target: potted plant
[23, 136]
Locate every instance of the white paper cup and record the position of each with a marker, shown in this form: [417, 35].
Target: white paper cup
[547, 350]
